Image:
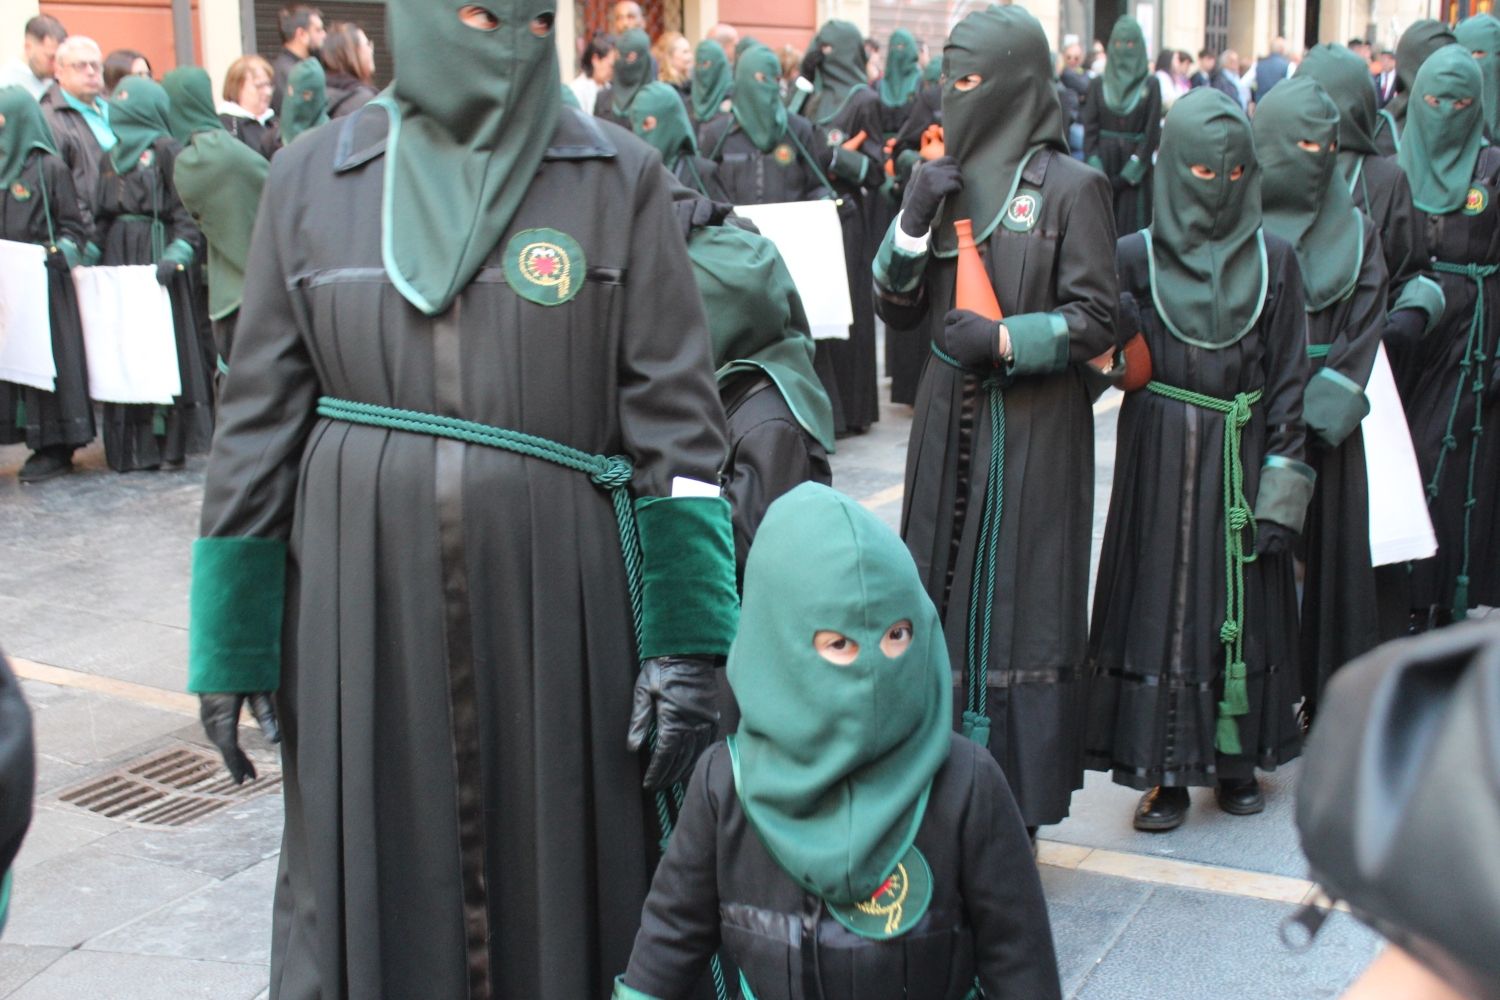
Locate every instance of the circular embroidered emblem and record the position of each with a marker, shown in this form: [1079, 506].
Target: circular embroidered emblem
[544, 266]
[146, 158]
[835, 136]
[1022, 212]
[20, 191]
[783, 154]
[897, 905]
[1475, 201]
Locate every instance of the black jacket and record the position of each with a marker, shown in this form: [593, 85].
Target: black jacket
[265, 138]
[282, 64]
[79, 148]
[347, 94]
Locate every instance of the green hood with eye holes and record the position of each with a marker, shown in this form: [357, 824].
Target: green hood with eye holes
[1127, 67]
[1441, 144]
[632, 70]
[712, 79]
[902, 75]
[672, 135]
[833, 764]
[841, 73]
[757, 103]
[1481, 33]
[306, 104]
[25, 129]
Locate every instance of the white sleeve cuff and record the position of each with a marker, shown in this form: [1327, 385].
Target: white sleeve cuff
[910, 245]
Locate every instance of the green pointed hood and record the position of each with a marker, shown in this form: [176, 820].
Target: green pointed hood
[1480, 34]
[138, 117]
[24, 128]
[757, 97]
[833, 764]
[1127, 67]
[1416, 44]
[471, 115]
[192, 96]
[992, 128]
[1345, 77]
[672, 135]
[1440, 145]
[1207, 256]
[1303, 196]
[632, 70]
[712, 79]
[756, 320]
[306, 103]
[842, 71]
[934, 71]
[902, 75]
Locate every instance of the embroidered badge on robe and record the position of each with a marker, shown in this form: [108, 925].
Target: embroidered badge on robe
[544, 266]
[897, 905]
[1022, 212]
[1475, 201]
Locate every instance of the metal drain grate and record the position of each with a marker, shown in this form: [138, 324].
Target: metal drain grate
[170, 787]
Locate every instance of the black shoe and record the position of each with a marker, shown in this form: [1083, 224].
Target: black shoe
[1240, 796]
[1162, 809]
[46, 463]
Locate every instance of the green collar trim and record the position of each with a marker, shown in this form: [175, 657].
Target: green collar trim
[387, 100]
[980, 235]
[1156, 298]
[825, 119]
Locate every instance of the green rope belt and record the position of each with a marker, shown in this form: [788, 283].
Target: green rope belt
[976, 721]
[1238, 516]
[1316, 352]
[158, 230]
[611, 473]
[1105, 133]
[1474, 357]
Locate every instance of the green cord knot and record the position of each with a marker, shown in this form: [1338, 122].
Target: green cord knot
[977, 728]
[1240, 410]
[615, 474]
[1239, 518]
[1229, 632]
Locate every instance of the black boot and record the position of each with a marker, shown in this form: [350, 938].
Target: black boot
[1162, 809]
[47, 463]
[1240, 796]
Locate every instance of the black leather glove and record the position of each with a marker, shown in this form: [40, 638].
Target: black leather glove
[930, 183]
[1272, 539]
[1404, 326]
[812, 61]
[970, 339]
[166, 271]
[56, 261]
[678, 692]
[697, 212]
[1130, 319]
[221, 720]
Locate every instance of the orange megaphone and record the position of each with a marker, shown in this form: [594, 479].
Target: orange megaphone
[932, 142]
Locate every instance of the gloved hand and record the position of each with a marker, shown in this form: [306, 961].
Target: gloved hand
[679, 693]
[929, 185]
[696, 212]
[176, 257]
[1272, 539]
[970, 339]
[1404, 326]
[166, 271]
[221, 719]
[57, 260]
[811, 62]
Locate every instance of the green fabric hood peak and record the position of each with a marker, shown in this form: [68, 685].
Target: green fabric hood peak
[138, 117]
[1441, 144]
[1417, 43]
[192, 96]
[1480, 34]
[1346, 79]
[24, 128]
[1126, 69]
[471, 114]
[306, 103]
[632, 70]
[902, 75]
[842, 71]
[757, 103]
[670, 134]
[833, 764]
[712, 79]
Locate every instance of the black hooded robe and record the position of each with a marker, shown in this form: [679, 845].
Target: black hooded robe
[453, 608]
[907, 355]
[1156, 659]
[1039, 623]
[1114, 139]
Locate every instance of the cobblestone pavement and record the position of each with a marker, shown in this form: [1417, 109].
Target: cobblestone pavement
[93, 612]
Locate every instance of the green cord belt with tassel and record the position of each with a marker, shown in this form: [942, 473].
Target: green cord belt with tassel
[1238, 516]
[1475, 356]
[611, 473]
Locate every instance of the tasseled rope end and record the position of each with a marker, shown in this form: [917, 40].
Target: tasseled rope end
[977, 728]
[1227, 735]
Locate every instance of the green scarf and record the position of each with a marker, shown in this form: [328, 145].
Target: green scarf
[842, 71]
[1440, 145]
[25, 128]
[934, 71]
[672, 133]
[1127, 67]
[1416, 45]
[992, 129]
[192, 96]
[1346, 79]
[1207, 254]
[756, 320]
[1303, 197]
[632, 70]
[833, 764]
[138, 115]
[712, 80]
[1480, 34]
[757, 97]
[471, 115]
[902, 74]
[306, 103]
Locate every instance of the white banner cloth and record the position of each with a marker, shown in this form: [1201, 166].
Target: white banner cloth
[811, 242]
[25, 322]
[1400, 527]
[128, 333]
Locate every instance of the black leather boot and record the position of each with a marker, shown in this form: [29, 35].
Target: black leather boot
[1162, 809]
[1240, 796]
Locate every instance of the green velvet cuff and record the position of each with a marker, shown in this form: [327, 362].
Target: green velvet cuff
[1038, 343]
[895, 269]
[70, 252]
[1096, 163]
[849, 166]
[178, 252]
[1134, 170]
[623, 992]
[5, 881]
[92, 254]
[1425, 294]
[687, 567]
[234, 615]
[1333, 405]
[1286, 486]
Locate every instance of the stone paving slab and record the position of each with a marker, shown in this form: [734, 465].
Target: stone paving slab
[81, 974]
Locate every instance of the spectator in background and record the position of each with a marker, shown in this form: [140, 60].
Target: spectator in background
[34, 70]
[246, 108]
[597, 70]
[1170, 77]
[1361, 48]
[302, 34]
[674, 57]
[349, 59]
[874, 63]
[1230, 70]
[122, 63]
[1385, 80]
[80, 119]
[1271, 70]
[1097, 59]
[625, 16]
[728, 38]
[791, 66]
[1073, 90]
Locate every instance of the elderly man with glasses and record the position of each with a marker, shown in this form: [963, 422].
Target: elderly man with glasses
[79, 117]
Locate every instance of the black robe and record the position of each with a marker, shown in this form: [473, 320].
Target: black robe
[701, 176]
[63, 418]
[1039, 622]
[1110, 140]
[906, 356]
[1440, 404]
[881, 205]
[1340, 612]
[146, 436]
[458, 655]
[719, 888]
[1156, 659]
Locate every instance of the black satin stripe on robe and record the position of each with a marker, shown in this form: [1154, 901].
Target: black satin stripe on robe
[1340, 612]
[1157, 662]
[1132, 203]
[1039, 623]
[1429, 384]
[371, 898]
[64, 417]
[144, 437]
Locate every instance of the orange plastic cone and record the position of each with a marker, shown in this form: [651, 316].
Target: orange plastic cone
[972, 290]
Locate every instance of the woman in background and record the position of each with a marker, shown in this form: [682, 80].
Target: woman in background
[674, 57]
[122, 63]
[246, 106]
[349, 59]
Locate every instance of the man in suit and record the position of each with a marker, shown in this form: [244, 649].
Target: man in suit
[1385, 80]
